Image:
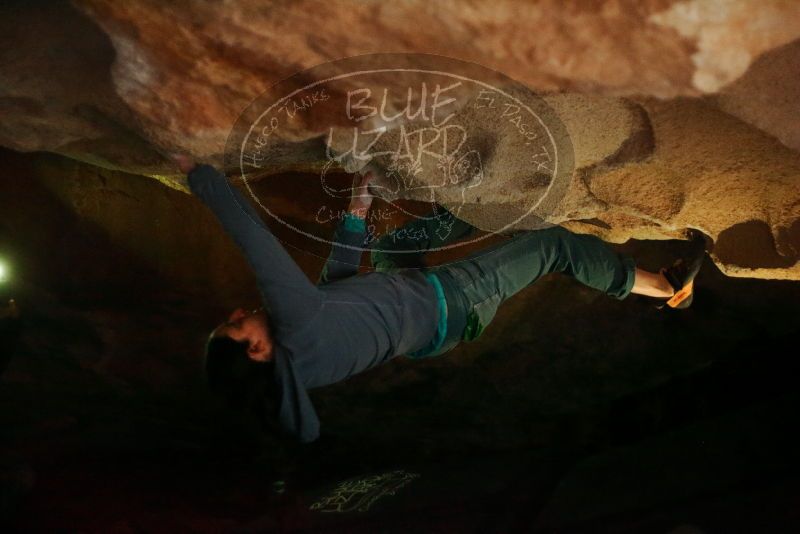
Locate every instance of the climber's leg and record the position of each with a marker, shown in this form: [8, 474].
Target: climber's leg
[490, 276]
[511, 265]
[406, 246]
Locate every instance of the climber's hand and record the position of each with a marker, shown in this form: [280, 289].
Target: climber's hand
[185, 162]
[361, 198]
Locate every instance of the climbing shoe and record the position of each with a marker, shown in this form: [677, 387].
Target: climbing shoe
[681, 274]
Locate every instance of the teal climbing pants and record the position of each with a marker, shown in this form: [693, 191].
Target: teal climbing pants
[485, 279]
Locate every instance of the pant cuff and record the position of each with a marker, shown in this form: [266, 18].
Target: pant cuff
[629, 266]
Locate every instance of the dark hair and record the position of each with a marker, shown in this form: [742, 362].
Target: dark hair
[232, 374]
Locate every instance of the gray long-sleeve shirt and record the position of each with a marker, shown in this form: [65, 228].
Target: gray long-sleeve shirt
[328, 332]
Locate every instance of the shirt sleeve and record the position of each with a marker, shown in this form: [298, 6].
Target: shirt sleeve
[348, 244]
[289, 296]
[296, 413]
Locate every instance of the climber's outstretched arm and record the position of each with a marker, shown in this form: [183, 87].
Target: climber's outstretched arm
[290, 297]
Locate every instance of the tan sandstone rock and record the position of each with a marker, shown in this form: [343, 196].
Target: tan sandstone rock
[119, 84]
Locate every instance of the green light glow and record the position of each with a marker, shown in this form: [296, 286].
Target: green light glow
[3, 272]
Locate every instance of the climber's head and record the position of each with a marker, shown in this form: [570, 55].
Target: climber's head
[238, 358]
[241, 382]
[252, 329]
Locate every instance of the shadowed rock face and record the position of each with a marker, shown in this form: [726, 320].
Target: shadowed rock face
[638, 85]
[573, 410]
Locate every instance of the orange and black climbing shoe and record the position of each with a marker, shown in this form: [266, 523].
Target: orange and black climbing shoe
[682, 273]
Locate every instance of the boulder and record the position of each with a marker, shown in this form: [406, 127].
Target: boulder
[646, 90]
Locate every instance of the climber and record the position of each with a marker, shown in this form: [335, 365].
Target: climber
[307, 335]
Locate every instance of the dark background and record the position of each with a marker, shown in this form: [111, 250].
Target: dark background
[573, 413]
